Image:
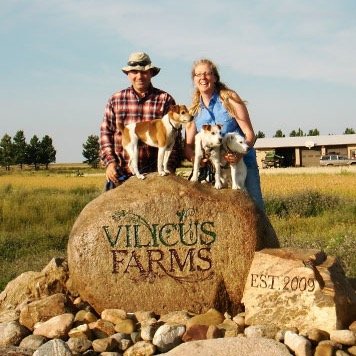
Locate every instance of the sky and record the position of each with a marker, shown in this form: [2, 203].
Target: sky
[294, 62]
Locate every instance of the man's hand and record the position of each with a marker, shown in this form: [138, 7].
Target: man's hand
[232, 158]
[111, 173]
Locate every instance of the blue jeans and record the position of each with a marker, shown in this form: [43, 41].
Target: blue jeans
[253, 183]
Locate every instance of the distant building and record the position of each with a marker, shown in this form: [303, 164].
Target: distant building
[304, 151]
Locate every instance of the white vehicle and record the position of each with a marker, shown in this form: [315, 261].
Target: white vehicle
[336, 160]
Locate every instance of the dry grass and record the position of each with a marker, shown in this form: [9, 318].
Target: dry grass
[342, 185]
[55, 181]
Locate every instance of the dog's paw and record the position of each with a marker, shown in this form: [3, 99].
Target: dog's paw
[140, 176]
[236, 187]
[163, 173]
[217, 185]
[194, 179]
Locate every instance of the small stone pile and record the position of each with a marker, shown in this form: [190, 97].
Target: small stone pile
[47, 327]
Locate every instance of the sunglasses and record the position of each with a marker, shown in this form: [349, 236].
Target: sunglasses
[139, 63]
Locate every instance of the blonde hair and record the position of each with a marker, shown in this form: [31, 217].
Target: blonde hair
[225, 93]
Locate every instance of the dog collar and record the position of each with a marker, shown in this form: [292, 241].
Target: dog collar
[173, 127]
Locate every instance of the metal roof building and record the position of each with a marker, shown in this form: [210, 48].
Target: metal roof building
[305, 150]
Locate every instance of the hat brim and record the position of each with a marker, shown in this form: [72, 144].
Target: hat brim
[155, 70]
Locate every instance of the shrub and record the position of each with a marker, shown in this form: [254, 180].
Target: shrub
[302, 204]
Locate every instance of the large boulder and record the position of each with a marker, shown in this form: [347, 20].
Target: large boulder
[165, 244]
[300, 288]
[30, 286]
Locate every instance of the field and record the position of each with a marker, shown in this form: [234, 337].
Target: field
[309, 209]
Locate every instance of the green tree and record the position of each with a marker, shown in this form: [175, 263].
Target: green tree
[91, 151]
[33, 152]
[297, 133]
[6, 152]
[279, 133]
[48, 152]
[349, 131]
[314, 132]
[260, 134]
[20, 146]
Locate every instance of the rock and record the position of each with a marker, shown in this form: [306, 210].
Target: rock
[123, 343]
[11, 333]
[341, 353]
[176, 317]
[54, 347]
[56, 327]
[15, 351]
[298, 344]
[79, 344]
[197, 332]
[352, 350]
[136, 246]
[102, 329]
[115, 316]
[324, 350]
[268, 331]
[142, 315]
[104, 345]
[344, 337]
[126, 326]
[280, 333]
[298, 288]
[141, 348]
[84, 317]
[214, 332]
[234, 346]
[9, 315]
[149, 328]
[136, 336]
[317, 335]
[33, 342]
[42, 310]
[211, 317]
[230, 328]
[168, 336]
[81, 331]
[33, 285]
[239, 320]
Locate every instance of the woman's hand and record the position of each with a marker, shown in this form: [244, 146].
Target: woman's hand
[233, 158]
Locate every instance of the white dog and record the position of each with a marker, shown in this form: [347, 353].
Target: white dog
[235, 143]
[207, 145]
[159, 133]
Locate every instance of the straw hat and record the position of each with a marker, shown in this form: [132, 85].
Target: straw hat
[140, 61]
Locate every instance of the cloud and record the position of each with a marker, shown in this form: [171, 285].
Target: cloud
[297, 40]
[300, 40]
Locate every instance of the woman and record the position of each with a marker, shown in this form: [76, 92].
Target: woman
[215, 103]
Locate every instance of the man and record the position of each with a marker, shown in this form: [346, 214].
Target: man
[139, 102]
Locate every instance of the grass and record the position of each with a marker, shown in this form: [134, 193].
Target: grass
[38, 209]
[36, 216]
[314, 211]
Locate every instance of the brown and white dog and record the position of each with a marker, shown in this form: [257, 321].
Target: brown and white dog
[207, 145]
[159, 133]
[235, 143]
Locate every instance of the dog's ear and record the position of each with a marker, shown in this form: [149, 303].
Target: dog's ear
[219, 126]
[174, 108]
[183, 109]
[206, 127]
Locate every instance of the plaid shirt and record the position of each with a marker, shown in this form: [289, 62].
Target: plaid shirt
[126, 107]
